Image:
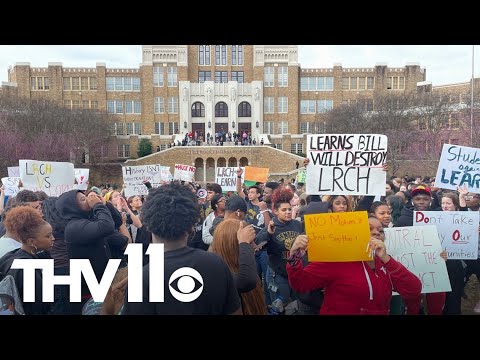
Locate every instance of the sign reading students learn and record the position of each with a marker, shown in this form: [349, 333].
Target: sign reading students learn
[459, 165]
[346, 164]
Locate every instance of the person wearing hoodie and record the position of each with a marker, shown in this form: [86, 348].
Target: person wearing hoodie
[89, 224]
[422, 201]
[357, 287]
[28, 226]
[279, 236]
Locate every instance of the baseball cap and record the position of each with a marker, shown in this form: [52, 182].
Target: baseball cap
[421, 189]
[235, 203]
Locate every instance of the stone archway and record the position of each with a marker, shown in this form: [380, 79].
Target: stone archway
[243, 162]
[199, 171]
[221, 162]
[210, 170]
[232, 162]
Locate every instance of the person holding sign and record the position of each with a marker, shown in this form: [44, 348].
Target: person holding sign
[357, 287]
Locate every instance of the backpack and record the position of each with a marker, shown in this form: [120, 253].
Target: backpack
[10, 302]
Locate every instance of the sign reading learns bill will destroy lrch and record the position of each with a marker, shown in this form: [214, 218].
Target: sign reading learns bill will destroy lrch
[350, 164]
[338, 237]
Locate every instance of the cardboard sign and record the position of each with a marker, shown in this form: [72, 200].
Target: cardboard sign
[459, 165]
[346, 164]
[184, 172]
[418, 249]
[54, 178]
[81, 175]
[255, 174]
[457, 230]
[338, 237]
[11, 185]
[226, 177]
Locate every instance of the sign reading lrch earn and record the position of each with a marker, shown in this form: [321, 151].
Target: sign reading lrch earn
[346, 164]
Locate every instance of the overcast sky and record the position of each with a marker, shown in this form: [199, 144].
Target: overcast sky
[445, 64]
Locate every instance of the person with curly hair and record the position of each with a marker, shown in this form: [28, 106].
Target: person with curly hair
[36, 235]
[232, 242]
[279, 236]
[170, 213]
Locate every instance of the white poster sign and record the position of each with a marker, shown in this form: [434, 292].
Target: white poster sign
[226, 177]
[54, 178]
[134, 177]
[349, 164]
[13, 171]
[418, 249]
[81, 176]
[11, 185]
[184, 172]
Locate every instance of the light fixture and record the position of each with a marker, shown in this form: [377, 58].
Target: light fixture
[209, 124]
[185, 124]
[257, 124]
[233, 124]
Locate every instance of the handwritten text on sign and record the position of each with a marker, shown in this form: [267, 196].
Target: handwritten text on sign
[184, 172]
[11, 185]
[133, 177]
[54, 178]
[337, 237]
[81, 175]
[459, 165]
[418, 249]
[346, 164]
[226, 177]
[457, 230]
[13, 171]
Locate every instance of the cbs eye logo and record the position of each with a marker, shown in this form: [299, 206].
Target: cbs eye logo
[188, 283]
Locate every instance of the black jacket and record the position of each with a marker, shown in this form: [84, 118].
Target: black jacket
[31, 308]
[86, 233]
[406, 217]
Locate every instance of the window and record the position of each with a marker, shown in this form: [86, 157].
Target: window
[122, 83]
[268, 127]
[67, 83]
[137, 107]
[93, 83]
[128, 107]
[396, 83]
[269, 79]
[283, 127]
[172, 128]
[67, 104]
[204, 55]
[361, 83]
[296, 148]
[244, 109]
[129, 128]
[283, 104]
[345, 83]
[308, 106]
[84, 83]
[94, 105]
[304, 127]
[119, 128]
[163, 147]
[172, 105]
[138, 128]
[136, 84]
[158, 105]
[172, 76]
[353, 83]
[325, 83]
[127, 84]
[369, 104]
[237, 76]
[123, 151]
[160, 128]
[220, 55]
[279, 146]
[75, 83]
[110, 106]
[370, 83]
[119, 107]
[198, 110]
[221, 109]
[157, 76]
[268, 105]
[303, 84]
[237, 55]
[204, 76]
[283, 76]
[221, 77]
[85, 104]
[110, 83]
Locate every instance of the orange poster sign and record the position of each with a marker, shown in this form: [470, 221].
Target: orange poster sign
[256, 174]
[338, 237]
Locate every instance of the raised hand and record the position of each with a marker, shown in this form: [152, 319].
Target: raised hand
[306, 161]
[271, 227]
[462, 190]
[245, 234]
[300, 243]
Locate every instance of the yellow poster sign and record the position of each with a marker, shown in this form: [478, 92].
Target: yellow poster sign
[338, 237]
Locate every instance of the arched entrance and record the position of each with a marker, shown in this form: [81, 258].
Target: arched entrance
[199, 171]
[243, 161]
[210, 170]
[232, 162]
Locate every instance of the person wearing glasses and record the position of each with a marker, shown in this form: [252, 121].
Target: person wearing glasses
[218, 206]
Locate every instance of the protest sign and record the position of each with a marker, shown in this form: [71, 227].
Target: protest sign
[226, 177]
[184, 172]
[11, 185]
[134, 177]
[81, 175]
[54, 178]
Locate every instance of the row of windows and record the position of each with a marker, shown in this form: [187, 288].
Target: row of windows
[220, 55]
[118, 83]
[275, 128]
[358, 83]
[84, 104]
[221, 109]
[159, 105]
[269, 76]
[315, 106]
[322, 83]
[123, 151]
[158, 76]
[312, 127]
[79, 83]
[39, 83]
[366, 104]
[452, 123]
[221, 76]
[396, 83]
[296, 148]
[124, 107]
[127, 128]
[269, 105]
[172, 128]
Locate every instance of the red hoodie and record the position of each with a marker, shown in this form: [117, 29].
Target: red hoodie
[353, 288]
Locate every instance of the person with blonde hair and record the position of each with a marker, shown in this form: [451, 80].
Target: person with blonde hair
[232, 242]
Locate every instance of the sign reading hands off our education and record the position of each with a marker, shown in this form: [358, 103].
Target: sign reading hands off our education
[457, 230]
[133, 177]
[54, 178]
[338, 237]
[418, 249]
[459, 165]
[349, 164]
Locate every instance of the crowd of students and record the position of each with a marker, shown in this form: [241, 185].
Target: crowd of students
[250, 248]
